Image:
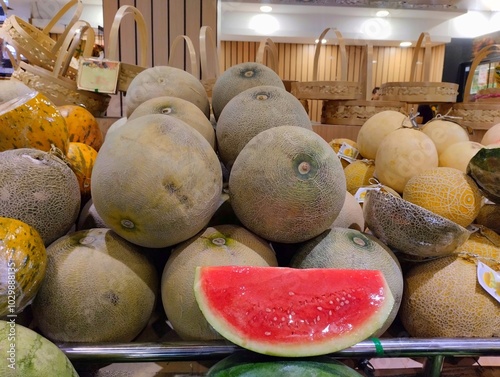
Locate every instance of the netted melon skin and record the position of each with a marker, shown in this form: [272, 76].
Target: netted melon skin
[442, 298]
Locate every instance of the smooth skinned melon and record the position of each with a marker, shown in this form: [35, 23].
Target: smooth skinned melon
[81, 158]
[459, 154]
[156, 181]
[287, 184]
[216, 246]
[293, 312]
[82, 125]
[39, 189]
[445, 133]
[492, 135]
[351, 215]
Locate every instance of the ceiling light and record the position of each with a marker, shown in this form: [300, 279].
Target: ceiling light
[323, 41]
[266, 8]
[405, 44]
[264, 24]
[382, 13]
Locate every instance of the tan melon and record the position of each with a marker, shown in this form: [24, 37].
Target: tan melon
[39, 189]
[215, 246]
[401, 155]
[489, 216]
[447, 192]
[164, 80]
[253, 111]
[358, 174]
[351, 215]
[352, 249]
[156, 181]
[238, 78]
[89, 218]
[445, 133]
[342, 142]
[459, 154]
[97, 288]
[115, 125]
[287, 185]
[10, 89]
[492, 135]
[178, 108]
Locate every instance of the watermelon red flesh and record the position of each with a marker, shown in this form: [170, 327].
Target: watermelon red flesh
[293, 312]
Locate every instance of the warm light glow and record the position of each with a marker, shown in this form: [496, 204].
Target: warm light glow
[323, 41]
[405, 44]
[382, 13]
[264, 24]
[266, 8]
[376, 28]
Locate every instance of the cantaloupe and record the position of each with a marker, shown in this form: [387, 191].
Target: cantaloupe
[82, 125]
[39, 189]
[358, 174]
[97, 288]
[458, 155]
[287, 184]
[445, 133]
[351, 215]
[12, 88]
[253, 111]
[215, 246]
[238, 78]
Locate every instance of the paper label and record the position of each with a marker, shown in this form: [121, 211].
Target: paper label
[347, 152]
[361, 193]
[98, 75]
[489, 279]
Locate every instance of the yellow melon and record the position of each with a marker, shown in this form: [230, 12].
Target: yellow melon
[489, 216]
[156, 181]
[253, 111]
[81, 158]
[287, 185]
[492, 135]
[447, 192]
[97, 288]
[358, 174]
[82, 125]
[459, 154]
[349, 146]
[375, 128]
[12, 88]
[445, 133]
[238, 78]
[164, 80]
[401, 155]
[215, 246]
[351, 214]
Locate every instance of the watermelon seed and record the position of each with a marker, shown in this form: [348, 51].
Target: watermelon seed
[319, 308]
[267, 333]
[291, 293]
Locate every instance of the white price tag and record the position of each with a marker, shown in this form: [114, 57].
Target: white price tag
[489, 279]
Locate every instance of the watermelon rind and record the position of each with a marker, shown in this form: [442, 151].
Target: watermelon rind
[289, 312]
[484, 169]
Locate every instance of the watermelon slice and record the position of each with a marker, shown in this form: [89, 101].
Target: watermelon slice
[290, 312]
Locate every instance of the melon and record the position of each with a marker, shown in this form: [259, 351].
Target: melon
[97, 288]
[351, 249]
[115, 125]
[245, 364]
[359, 173]
[346, 149]
[293, 312]
[459, 154]
[89, 218]
[401, 155]
[82, 125]
[156, 181]
[489, 216]
[375, 128]
[484, 169]
[351, 215]
[23, 260]
[39, 189]
[32, 121]
[220, 245]
[81, 158]
[287, 185]
[409, 228]
[238, 78]
[162, 80]
[178, 108]
[11, 88]
[492, 135]
[445, 133]
[29, 354]
[253, 111]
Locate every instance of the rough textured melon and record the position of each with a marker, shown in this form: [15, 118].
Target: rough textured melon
[447, 192]
[293, 312]
[253, 111]
[33, 355]
[32, 121]
[359, 174]
[97, 288]
[401, 155]
[484, 169]
[81, 158]
[351, 215]
[352, 249]
[39, 189]
[445, 133]
[459, 154]
[178, 108]
[238, 78]
[375, 128]
[287, 184]
[82, 125]
[164, 80]
[23, 260]
[156, 181]
[216, 246]
[10, 89]
[409, 228]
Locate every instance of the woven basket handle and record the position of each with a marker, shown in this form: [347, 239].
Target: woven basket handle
[54, 20]
[191, 50]
[206, 36]
[70, 44]
[343, 54]
[141, 31]
[267, 45]
[4, 6]
[424, 39]
[483, 53]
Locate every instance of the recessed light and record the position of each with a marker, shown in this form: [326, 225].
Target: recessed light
[405, 44]
[382, 13]
[323, 41]
[266, 8]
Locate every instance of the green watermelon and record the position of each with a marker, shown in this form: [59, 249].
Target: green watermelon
[292, 312]
[246, 364]
[484, 169]
[28, 354]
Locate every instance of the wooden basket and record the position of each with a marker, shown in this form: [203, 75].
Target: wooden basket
[481, 115]
[128, 71]
[207, 43]
[59, 88]
[329, 90]
[35, 44]
[420, 92]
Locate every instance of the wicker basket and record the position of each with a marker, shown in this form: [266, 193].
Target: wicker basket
[59, 88]
[329, 90]
[207, 43]
[420, 92]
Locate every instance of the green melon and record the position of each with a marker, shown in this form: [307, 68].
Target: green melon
[293, 312]
[484, 168]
